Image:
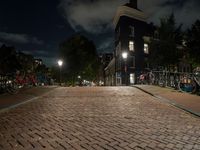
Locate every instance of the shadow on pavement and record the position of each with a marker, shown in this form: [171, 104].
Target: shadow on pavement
[184, 101]
[8, 100]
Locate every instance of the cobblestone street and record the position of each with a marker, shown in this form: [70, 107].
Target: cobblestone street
[98, 118]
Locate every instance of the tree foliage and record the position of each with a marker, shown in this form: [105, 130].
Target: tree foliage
[11, 61]
[8, 60]
[80, 57]
[193, 43]
[164, 47]
[26, 61]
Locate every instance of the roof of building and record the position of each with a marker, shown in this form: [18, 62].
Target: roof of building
[129, 12]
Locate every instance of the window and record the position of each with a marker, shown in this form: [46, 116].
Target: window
[132, 78]
[146, 48]
[132, 31]
[132, 62]
[118, 64]
[131, 45]
[146, 62]
[118, 78]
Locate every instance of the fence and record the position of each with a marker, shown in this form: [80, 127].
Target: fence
[3, 80]
[7, 84]
[188, 82]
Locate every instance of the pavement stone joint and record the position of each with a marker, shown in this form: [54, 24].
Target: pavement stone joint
[99, 118]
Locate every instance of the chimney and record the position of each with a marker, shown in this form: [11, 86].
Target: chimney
[133, 4]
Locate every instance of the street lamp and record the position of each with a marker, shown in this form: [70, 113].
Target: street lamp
[60, 63]
[79, 80]
[125, 56]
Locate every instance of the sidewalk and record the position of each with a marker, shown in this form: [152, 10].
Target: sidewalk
[9, 100]
[185, 101]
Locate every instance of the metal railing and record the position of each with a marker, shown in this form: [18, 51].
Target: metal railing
[186, 82]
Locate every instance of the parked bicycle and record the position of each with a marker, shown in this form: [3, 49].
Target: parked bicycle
[25, 79]
[190, 82]
[8, 84]
[184, 82]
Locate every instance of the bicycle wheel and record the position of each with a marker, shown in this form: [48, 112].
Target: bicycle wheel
[188, 87]
[12, 87]
[161, 82]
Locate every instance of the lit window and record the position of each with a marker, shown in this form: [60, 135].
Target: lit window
[131, 45]
[132, 78]
[146, 48]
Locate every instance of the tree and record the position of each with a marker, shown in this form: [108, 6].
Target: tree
[80, 57]
[26, 61]
[164, 47]
[193, 43]
[8, 60]
[41, 68]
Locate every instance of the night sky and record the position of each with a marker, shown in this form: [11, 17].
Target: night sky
[38, 26]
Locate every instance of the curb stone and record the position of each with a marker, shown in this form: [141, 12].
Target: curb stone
[169, 102]
[23, 102]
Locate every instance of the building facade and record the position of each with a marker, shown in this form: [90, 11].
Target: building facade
[131, 37]
[105, 59]
[110, 74]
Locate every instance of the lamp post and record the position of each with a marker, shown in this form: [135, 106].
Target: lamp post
[79, 80]
[60, 63]
[125, 56]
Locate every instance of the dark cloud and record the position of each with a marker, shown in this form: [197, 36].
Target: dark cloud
[91, 16]
[19, 38]
[180, 3]
[49, 58]
[176, 3]
[186, 11]
[41, 53]
[54, 21]
[35, 40]
[106, 45]
[49, 61]
[96, 16]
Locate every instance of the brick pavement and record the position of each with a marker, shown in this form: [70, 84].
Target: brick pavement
[186, 101]
[101, 118]
[24, 94]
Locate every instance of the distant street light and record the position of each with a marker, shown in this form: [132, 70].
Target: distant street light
[60, 63]
[79, 80]
[125, 56]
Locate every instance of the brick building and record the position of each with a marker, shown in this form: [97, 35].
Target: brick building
[131, 36]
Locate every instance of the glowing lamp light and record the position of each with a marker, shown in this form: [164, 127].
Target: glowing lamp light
[60, 63]
[124, 55]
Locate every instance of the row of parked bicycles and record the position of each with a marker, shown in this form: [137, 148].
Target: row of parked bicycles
[12, 83]
[184, 82]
